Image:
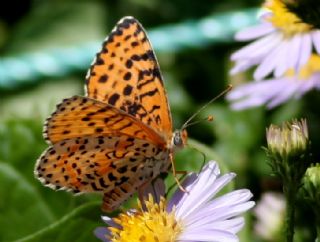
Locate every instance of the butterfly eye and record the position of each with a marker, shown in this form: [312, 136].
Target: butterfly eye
[177, 141]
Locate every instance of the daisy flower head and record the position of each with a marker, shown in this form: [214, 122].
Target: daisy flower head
[282, 41]
[275, 91]
[192, 216]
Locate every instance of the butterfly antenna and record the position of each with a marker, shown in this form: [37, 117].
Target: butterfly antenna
[187, 123]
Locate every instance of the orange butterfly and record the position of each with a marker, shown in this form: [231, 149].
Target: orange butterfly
[119, 137]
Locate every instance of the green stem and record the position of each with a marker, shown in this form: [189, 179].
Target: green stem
[318, 228]
[290, 194]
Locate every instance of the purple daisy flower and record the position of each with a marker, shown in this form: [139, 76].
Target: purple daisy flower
[282, 42]
[275, 91]
[192, 216]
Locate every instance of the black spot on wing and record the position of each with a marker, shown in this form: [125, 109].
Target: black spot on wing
[113, 99]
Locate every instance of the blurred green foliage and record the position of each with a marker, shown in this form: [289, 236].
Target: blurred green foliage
[31, 212]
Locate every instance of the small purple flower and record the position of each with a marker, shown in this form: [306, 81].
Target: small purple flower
[275, 91]
[192, 216]
[282, 42]
[270, 214]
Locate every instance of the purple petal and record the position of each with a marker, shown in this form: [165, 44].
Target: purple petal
[177, 196]
[243, 65]
[156, 188]
[294, 47]
[208, 235]
[316, 80]
[201, 194]
[305, 50]
[221, 214]
[221, 206]
[282, 65]
[257, 48]
[316, 40]
[233, 225]
[265, 15]
[192, 200]
[270, 62]
[245, 89]
[312, 82]
[286, 94]
[304, 86]
[256, 94]
[255, 31]
[110, 221]
[102, 233]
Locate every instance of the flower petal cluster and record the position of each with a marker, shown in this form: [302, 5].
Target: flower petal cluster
[198, 215]
[286, 52]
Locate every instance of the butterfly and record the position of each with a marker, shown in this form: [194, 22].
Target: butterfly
[119, 136]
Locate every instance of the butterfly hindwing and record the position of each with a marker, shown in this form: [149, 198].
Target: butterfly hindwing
[99, 163]
[126, 74]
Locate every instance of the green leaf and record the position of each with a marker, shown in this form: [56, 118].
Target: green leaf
[24, 198]
[22, 209]
[75, 226]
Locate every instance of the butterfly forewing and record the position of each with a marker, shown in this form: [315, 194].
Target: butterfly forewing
[126, 74]
[82, 116]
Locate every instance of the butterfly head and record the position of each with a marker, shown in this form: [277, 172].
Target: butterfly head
[179, 139]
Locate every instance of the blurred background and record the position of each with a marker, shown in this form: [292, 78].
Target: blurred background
[46, 48]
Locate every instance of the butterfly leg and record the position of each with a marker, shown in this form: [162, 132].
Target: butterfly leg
[174, 172]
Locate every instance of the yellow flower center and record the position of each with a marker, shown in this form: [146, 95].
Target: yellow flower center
[288, 22]
[153, 224]
[312, 66]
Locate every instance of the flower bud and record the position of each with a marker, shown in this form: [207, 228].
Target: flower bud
[290, 139]
[311, 184]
